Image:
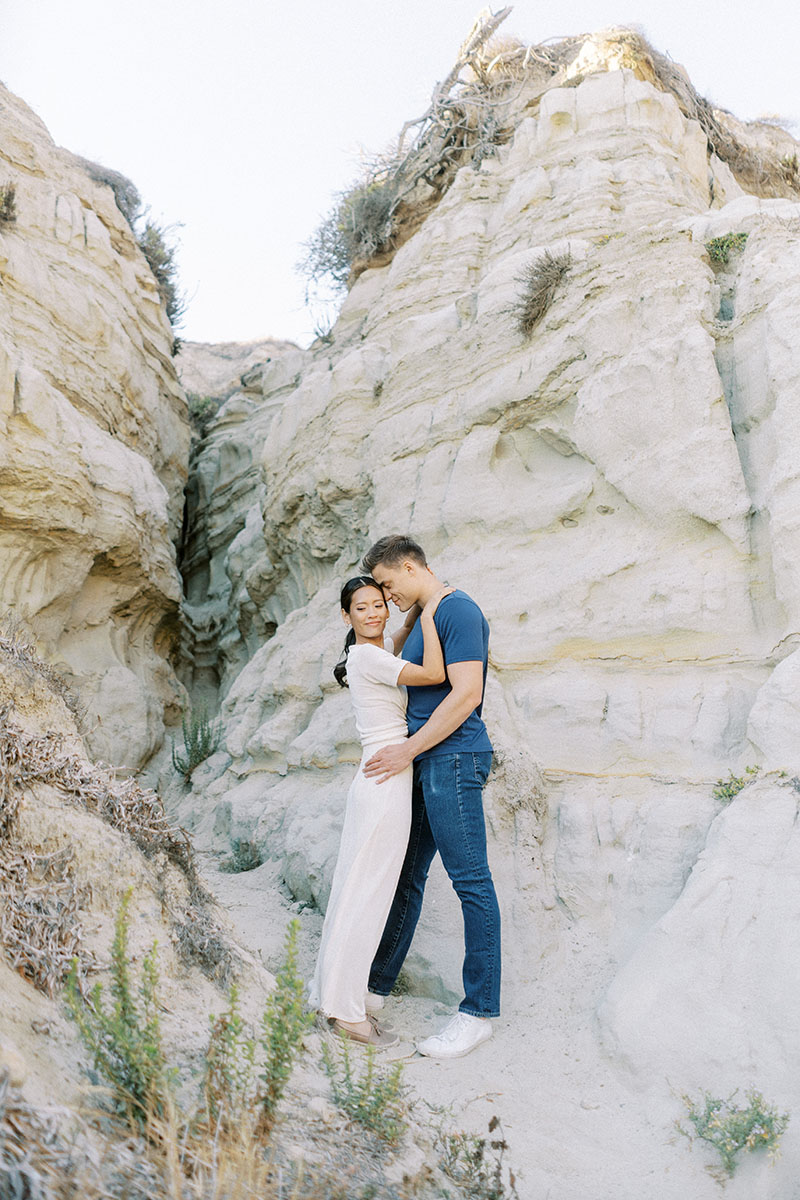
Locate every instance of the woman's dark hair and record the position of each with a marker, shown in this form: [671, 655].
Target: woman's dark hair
[346, 599]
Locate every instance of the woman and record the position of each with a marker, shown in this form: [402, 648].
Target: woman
[377, 816]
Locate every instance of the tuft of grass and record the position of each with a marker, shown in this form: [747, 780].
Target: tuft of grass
[377, 1100]
[721, 248]
[476, 1163]
[8, 203]
[125, 1040]
[732, 1129]
[538, 282]
[726, 789]
[283, 1025]
[201, 739]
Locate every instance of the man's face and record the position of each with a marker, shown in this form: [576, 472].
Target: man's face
[400, 583]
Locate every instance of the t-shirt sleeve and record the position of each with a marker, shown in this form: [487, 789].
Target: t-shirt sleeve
[378, 665]
[459, 623]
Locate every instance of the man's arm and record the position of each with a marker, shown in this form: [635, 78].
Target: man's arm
[466, 680]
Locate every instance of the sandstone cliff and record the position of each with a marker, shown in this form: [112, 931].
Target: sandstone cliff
[620, 493]
[94, 442]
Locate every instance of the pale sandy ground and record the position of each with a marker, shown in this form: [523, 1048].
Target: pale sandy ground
[577, 1128]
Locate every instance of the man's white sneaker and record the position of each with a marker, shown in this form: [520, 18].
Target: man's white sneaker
[373, 1002]
[461, 1035]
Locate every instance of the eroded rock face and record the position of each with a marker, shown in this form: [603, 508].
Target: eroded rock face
[94, 443]
[617, 492]
[215, 369]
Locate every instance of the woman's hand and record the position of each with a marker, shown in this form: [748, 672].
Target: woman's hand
[433, 603]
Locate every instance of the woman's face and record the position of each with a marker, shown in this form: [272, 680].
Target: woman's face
[368, 613]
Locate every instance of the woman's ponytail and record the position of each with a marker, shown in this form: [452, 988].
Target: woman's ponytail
[340, 670]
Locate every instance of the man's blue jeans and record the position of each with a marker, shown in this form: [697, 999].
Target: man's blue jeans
[447, 815]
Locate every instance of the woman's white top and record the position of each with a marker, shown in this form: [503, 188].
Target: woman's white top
[379, 702]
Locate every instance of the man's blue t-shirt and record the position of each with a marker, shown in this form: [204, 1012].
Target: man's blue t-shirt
[464, 633]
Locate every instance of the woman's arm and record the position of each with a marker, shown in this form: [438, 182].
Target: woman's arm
[432, 669]
[400, 635]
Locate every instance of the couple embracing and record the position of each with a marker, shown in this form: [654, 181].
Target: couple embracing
[417, 700]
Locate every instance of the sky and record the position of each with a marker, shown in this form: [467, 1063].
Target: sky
[240, 122]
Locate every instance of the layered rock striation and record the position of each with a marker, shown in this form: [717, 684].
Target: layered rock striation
[94, 441]
[617, 490]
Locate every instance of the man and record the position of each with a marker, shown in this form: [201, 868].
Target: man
[452, 754]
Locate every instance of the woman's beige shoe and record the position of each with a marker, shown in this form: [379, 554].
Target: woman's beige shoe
[381, 1039]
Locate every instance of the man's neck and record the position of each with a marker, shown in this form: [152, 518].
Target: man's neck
[430, 587]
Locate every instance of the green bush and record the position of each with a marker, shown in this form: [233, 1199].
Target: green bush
[245, 856]
[720, 248]
[157, 244]
[361, 225]
[731, 1129]
[125, 1040]
[283, 1025]
[202, 410]
[230, 1059]
[201, 739]
[377, 1100]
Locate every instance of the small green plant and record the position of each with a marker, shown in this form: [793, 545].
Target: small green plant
[720, 248]
[8, 203]
[202, 410]
[403, 985]
[726, 789]
[376, 1099]
[201, 738]
[731, 1129]
[230, 1059]
[539, 282]
[125, 1040]
[283, 1025]
[476, 1164]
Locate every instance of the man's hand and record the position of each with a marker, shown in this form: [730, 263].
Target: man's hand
[389, 761]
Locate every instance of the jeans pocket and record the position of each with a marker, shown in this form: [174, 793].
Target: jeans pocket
[483, 765]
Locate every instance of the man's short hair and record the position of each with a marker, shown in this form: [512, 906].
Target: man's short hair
[391, 550]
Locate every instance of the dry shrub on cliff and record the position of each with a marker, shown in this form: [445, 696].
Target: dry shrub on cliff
[759, 170]
[539, 282]
[40, 929]
[474, 110]
[40, 901]
[18, 650]
[463, 123]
